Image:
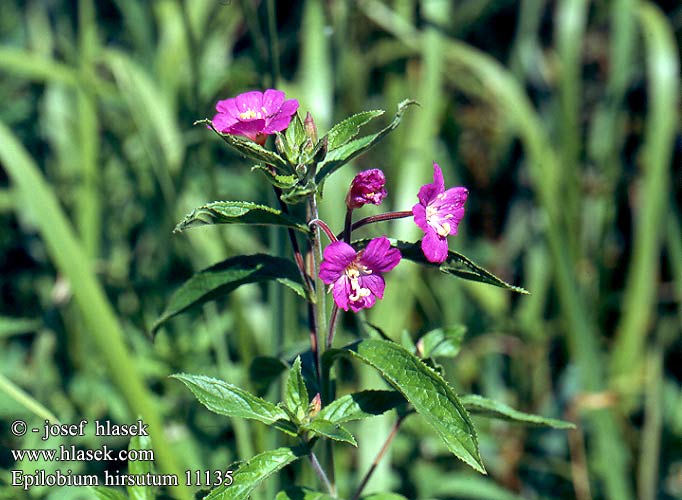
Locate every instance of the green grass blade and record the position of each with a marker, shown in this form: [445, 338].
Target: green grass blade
[40, 201]
[26, 400]
[639, 298]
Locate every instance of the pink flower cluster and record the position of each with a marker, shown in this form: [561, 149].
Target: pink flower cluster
[356, 277]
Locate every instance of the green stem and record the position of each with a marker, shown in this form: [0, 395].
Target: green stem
[380, 455]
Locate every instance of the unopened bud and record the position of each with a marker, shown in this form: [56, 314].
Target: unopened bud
[310, 127]
[367, 187]
[315, 406]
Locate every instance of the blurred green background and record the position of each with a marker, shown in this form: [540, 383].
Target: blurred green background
[561, 117]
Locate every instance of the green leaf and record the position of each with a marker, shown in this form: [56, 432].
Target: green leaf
[246, 147]
[255, 471]
[478, 405]
[345, 130]
[296, 397]
[360, 405]
[15, 326]
[103, 493]
[302, 493]
[281, 181]
[456, 264]
[238, 212]
[445, 342]
[140, 467]
[343, 154]
[331, 430]
[299, 194]
[229, 400]
[226, 276]
[430, 395]
[293, 140]
[263, 371]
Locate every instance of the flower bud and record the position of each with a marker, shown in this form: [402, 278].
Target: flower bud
[367, 187]
[315, 406]
[310, 128]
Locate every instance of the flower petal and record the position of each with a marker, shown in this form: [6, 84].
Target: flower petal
[288, 107]
[363, 303]
[223, 121]
[272, 101]
[419, 213]
[228, 106]
[277, 124]
[438, 180]
[247, 128]
[341, 291]
[379, 257]
[434, 247]
[455, 196]
[375, 283]
[249, 101]
[337, 257]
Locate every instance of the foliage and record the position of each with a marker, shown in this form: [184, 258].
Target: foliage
[562, 119]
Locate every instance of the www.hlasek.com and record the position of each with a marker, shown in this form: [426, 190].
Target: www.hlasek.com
[69, 453]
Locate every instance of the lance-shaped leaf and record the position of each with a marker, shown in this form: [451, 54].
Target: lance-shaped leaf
[302, 493]
[247, 147]
[229, 400]
[238, 212]
[478, 405]
[330, 430]
[253, 472]
[296, 397]
[345, 130]
[428, 393]
[226, 276]
[343, 154]
[359, 405]
[456, 264]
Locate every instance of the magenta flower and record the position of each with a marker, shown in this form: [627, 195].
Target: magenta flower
[367, 187]
[438, 214]
[254, 114]
[356, 276]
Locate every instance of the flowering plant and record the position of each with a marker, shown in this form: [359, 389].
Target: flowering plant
[353, 271]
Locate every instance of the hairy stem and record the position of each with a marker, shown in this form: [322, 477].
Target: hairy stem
[377, 218]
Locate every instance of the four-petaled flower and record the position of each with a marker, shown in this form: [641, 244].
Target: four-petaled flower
[356, 276]
[254, 114]
[367, 187]
[438, 214]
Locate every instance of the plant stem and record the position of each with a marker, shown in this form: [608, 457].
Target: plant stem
[347, 227]
[323, 225]
[320, 473]
[332, 325]
[380, 455]
[378, 218]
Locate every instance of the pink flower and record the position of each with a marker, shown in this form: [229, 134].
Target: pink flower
[367, 187]
[356, 276]
[438, 214]
[254, 114]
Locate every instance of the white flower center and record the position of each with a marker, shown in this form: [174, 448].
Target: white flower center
[436, 221]
[354, 272]
[249, 114]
